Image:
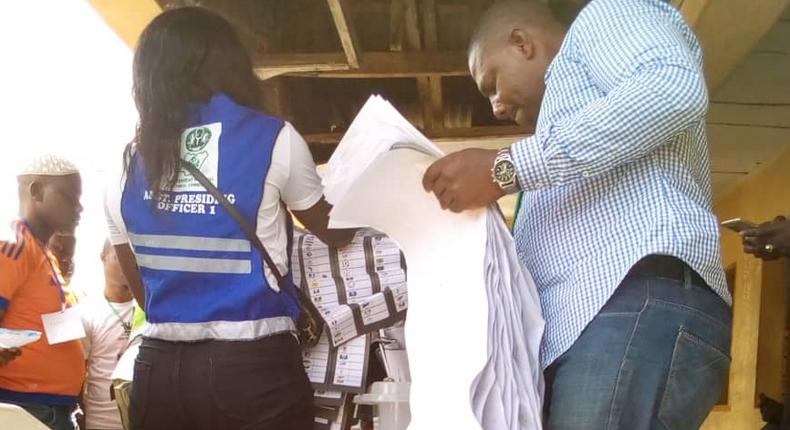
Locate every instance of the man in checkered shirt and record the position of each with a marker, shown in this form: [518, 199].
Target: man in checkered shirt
[615, 223]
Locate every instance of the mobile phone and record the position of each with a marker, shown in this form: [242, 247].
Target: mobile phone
[738, 224]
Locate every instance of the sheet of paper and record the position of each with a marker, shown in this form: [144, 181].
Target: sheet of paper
[446, 324]
[343, 368]
[508, 392]
[63, 326]
[17, 338]
[349, 159]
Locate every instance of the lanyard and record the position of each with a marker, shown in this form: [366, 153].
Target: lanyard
[127, 326]
[55, 281]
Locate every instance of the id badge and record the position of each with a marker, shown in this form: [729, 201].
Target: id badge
[63, 326]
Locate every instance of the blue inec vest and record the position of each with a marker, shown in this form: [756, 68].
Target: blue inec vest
[203, 278]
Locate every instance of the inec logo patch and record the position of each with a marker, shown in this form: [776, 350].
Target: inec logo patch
[197, 139]
[199, 147]
[195, 143]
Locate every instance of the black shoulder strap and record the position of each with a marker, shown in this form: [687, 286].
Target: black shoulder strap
[248, 230]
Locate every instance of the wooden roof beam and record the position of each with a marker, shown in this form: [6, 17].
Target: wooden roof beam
[397, 24]
[470, 135]
[269, 66]
[430, 87]
[371, 65]
[345, 31]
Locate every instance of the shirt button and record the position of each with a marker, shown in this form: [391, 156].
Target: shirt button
[585, 174]
[538, 184]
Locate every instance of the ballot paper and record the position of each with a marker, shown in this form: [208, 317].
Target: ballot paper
[17, 338]
[333, 410]
[358, 289]
[474, 323]
[343, 368]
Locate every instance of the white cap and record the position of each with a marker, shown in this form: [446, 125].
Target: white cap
[48, 165]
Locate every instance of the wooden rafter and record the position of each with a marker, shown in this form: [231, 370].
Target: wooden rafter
[448, 140]
[371, 65]
[345, 31]
[431, 34]
[447, 135]
[397, 24]
[274, 65]
[412, 25]
[429, 87]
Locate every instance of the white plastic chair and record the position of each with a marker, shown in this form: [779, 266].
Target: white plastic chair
[16, 418]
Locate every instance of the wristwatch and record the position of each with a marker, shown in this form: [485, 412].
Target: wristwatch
[503, 172]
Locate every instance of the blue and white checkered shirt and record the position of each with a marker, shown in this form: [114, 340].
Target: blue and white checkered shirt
[618, 168]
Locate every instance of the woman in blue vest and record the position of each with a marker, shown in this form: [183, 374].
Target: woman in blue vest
[219, 350]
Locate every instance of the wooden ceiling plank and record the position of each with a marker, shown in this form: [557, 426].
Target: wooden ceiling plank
[728, 30]
[437, 100]
[412, 26]
[345, 31]
[430, 31]
[429, 87]
[749, 114]
[397, 24]
[760, 78]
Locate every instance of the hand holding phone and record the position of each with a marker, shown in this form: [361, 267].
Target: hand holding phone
[739, 225]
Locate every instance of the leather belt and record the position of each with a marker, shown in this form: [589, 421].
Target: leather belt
[665, 266]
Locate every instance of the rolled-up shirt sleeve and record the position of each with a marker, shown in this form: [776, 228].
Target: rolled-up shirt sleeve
[652, 88]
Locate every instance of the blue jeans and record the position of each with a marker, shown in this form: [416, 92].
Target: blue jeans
[54, 417]
[655, 357]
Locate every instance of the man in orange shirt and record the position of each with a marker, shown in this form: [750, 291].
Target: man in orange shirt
[44, 377]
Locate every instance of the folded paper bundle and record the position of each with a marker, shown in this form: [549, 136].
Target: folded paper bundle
[358, 289]
[474, 326]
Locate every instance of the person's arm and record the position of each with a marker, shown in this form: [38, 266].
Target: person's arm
[300, 187]
[14, 268]
[119, 237]
[652, 88]
[131, 272]
[316, 219]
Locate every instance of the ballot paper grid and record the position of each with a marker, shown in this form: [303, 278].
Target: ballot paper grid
[358, 289]
[343, 368]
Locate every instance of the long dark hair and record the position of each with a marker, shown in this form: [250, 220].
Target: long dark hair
[184, 56]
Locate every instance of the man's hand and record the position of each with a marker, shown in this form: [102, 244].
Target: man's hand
[462, 180]
[6, 355]
[769, 241]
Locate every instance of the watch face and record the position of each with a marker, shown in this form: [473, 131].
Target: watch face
[504, 172]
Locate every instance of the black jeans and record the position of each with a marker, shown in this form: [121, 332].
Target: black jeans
[250, 385]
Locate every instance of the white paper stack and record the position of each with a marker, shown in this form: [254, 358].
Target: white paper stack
[10, 338]
[474, 322]
[350, 159]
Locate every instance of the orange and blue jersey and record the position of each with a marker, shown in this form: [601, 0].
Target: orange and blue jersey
[30, 286]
